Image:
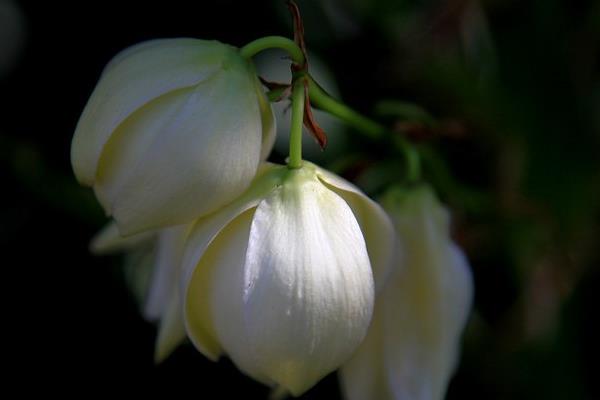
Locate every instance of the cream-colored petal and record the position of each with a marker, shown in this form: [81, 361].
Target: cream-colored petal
[226, 252]
[459, 287]
[425, 313]
[135, 77]
[166, 272]
[196, 284]
[225, 260]
[305, 294]
[205, 229]
[183, 155]
[269, 123]
[364, 375]
[163, 299]
[375, 224]
[171, 330]
[109, 241]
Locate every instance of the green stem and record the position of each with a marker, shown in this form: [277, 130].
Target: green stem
[374, 130]
[269, 42]
[295, 159]
[276, 94]
[324, 101]
[412, 158]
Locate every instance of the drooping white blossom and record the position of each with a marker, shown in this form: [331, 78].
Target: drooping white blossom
[283, 280]
[174, 129]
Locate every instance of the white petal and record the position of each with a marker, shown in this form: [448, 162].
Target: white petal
[166, 272]
[305, 294]
[109, 241]
[196, 285]
[163, 300]
[458, 288]
[225, 260]
[226, 252]
[364, 375]
[425, 315]
[171, 330]
[183, 154]
[134, 77]
[205, 229]
[375, 224]
[269, 124]
[459, 285]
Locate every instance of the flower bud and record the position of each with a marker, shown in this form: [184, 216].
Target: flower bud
[282, 280]
[412, 346]
[172, 121]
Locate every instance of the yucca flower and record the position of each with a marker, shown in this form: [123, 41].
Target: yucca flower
[283, 279]
[412, 347]
[172, 121]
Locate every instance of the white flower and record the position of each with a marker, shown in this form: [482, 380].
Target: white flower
[282, 280]
[412, 346]
[154, 272]
[175, 129]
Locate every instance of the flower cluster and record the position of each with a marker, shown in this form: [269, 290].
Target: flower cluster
[292, 273]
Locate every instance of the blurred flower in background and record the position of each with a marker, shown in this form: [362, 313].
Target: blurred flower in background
[413, 345]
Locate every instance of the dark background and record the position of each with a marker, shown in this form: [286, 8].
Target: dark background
[514, 90]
